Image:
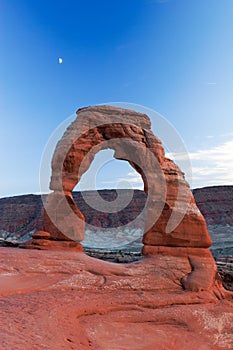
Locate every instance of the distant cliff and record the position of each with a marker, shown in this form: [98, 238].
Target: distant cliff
[21, 215]
[216, 204]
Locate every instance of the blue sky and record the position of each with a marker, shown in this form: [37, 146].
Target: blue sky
[173, 56]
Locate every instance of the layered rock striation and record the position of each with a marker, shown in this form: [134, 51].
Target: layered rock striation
[216, 204]
[173, 225]
[172, 217]
[22, 215]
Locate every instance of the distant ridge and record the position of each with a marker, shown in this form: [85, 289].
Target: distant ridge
[21, 215]
[216, 204]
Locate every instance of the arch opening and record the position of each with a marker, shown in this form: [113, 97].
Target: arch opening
[120, 186]
[107, 172]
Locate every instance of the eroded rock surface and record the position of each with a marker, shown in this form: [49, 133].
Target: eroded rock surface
[172, 298]
[67, 300]
[172, 216]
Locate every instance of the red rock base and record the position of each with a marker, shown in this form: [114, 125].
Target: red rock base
[48, 244]
[64, 300]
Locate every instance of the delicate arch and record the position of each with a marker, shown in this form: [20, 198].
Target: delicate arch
[129, 134]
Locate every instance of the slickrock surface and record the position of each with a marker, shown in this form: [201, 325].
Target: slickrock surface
[67, 300]
[54, 296]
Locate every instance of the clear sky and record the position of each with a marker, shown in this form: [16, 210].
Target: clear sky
[173, 56]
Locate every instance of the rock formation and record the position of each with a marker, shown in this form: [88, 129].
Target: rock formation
[173, 298]
[216, 204]
[174, 225]
[68, 300]
[21, 215]
[168, 192]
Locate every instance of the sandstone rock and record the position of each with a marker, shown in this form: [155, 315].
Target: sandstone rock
[171, 299]
[21, 215]
[129, 134]
[66, 216]
[64, 300]
[47, 244]
[41, 235]
[172, 219]
[191, 232]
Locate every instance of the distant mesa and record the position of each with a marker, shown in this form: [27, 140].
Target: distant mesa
[21, 216]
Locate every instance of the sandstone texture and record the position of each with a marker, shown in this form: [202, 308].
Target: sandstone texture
[68, 300]
[54, 296]
[173, 223]
[22, 215]
[172, 216]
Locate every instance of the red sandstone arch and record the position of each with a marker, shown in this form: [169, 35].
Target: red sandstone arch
[129, 134]
[178, 231]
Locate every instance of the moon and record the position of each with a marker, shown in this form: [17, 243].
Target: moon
[60, 60]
